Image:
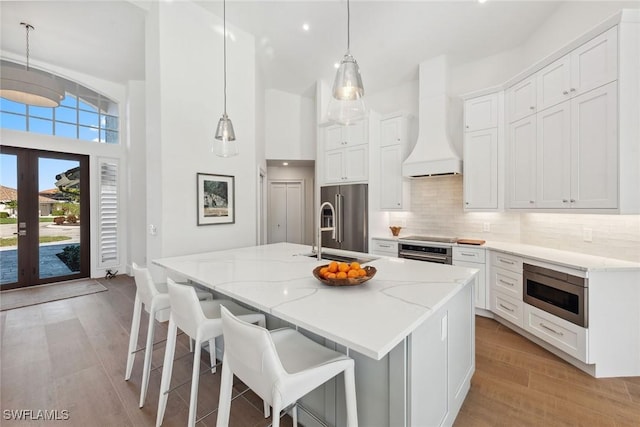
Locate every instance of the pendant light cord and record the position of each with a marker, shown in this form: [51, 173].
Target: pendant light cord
[28, 27]
[224, 35]
[348, 28]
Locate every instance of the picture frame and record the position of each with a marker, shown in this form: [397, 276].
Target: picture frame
[216, 199]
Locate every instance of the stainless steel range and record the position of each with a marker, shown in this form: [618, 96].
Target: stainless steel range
[427, 248]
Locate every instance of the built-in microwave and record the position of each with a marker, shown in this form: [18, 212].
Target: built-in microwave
[561, 294]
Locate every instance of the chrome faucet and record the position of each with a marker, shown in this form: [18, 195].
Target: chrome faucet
[321, 228]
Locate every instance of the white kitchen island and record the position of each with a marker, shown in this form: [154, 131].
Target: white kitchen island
[410, 329]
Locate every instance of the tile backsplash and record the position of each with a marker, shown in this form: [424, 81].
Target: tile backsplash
[436, 209]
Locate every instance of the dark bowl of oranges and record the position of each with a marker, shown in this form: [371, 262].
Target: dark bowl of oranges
[343, 274]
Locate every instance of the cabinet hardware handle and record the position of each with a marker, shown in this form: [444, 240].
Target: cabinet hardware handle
[572, 200]
[506, 261]
[551, 329]
[564, 200]
[398, 203]
[384, 246]
[532, 108]
[531, 201]
[506, 308]
[505, 282]
[565, 92]
[466, 203]
[467, 254]
[467, 126]
[573, 89]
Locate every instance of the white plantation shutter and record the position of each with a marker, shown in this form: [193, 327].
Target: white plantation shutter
[108, 213]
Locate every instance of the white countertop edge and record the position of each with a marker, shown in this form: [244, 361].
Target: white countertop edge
[571, 259]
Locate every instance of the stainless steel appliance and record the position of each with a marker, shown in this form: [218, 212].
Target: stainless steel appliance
[555, 292]
[427, 248]
[352, 217]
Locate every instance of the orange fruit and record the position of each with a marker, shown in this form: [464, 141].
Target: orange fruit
[333, 267]
[352, 273]
[355, 266]
[341, 275]
[331, 276]
[343, 267]
[362, 272]
[324, 271]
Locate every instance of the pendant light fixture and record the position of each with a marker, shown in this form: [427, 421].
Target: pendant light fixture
[346, 104]
[225, 145]
[30, 86]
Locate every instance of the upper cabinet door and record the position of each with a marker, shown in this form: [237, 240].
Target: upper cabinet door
[553, 157]
[522, 99]
[595, 63]
[594, 148]
[391, 131]
[481, 113]
[522, 163]
[355, 134]
[333, 137]
[481, 170]
[554, 83]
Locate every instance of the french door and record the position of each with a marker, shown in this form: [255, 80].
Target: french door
[44, 217]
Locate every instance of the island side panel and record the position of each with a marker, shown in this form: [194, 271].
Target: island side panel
[441, 362]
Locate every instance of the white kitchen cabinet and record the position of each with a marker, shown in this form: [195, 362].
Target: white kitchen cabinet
[522, 163]
[338, 136]
[566, 156]
[587, 67]
[594, 149]
[474, 258]
[481, 169]
[391, 180]
[384, 247]
[521, 99]
[481, 112]
[346, 153]
[394, 188]
[553, 157]
[505, 284]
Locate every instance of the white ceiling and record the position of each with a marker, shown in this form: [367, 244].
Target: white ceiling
[388, 38]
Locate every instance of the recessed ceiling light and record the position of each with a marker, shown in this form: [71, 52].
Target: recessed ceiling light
[285, 164]
[482, 1]
[305, 26]
[336, 65]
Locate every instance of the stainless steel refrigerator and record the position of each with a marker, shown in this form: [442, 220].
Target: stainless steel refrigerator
[352, 224]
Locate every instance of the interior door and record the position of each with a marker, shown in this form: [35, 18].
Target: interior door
[45, 224]
[286, 213]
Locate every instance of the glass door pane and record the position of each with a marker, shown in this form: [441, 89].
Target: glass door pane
[59, 250]
[8, 219]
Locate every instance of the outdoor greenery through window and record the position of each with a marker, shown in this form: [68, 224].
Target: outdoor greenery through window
[83, 114]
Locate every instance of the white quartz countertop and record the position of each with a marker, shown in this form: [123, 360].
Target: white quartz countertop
[371, 318]
[570, 259]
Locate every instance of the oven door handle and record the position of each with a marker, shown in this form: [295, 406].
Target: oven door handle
[423, 257]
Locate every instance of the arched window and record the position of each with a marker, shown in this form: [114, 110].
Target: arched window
[83, 114]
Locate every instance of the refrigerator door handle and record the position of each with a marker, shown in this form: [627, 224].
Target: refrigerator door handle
[340, 214]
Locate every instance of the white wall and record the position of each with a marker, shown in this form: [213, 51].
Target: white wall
[185, 96]
[289, 126]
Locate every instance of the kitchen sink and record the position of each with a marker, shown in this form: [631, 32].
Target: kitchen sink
[343, 258]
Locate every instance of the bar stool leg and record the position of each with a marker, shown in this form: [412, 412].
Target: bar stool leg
[148, 351]
[195, 377]
[350, 396]
[277, 407]
[212, 355]
[133, 338]
[167, 368]
[226, 389]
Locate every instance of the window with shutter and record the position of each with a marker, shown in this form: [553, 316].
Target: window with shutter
[108, 236]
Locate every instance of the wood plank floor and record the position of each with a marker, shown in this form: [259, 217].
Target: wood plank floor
[71, 355]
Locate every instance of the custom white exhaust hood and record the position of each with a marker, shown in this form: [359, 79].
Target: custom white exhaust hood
[433, 154]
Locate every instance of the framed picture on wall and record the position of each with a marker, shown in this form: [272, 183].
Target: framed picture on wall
[216, 199]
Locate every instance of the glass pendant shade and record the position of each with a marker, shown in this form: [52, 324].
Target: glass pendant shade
[347, 85]
[224, 144]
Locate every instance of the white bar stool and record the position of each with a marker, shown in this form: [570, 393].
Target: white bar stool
[155, 298]
[201, 322]
[280, 366]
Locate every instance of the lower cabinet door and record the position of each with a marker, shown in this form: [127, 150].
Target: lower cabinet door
[507, 307]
